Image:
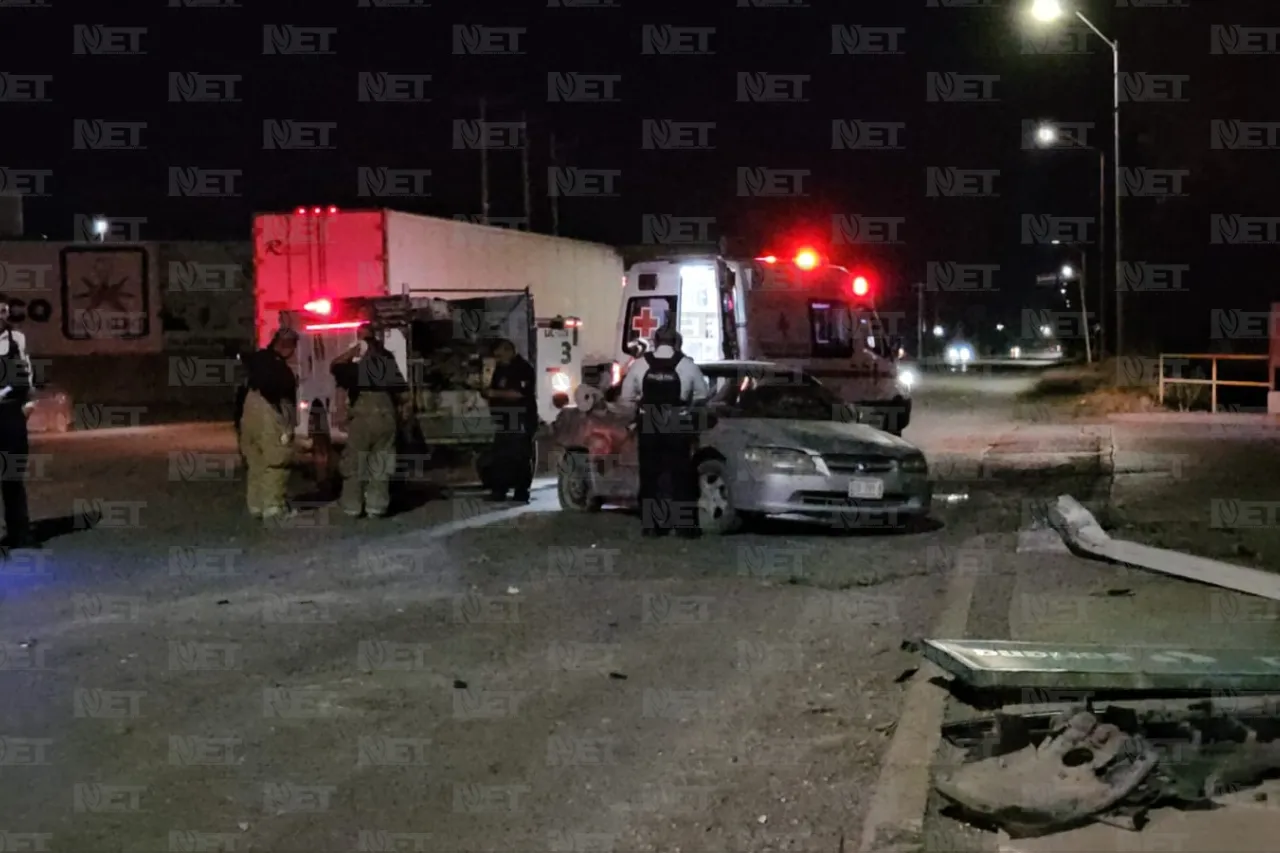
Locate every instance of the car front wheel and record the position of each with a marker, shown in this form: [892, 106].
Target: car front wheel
[573, 484]
[716, 514]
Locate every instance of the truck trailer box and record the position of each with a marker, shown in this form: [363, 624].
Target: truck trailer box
[324, 253]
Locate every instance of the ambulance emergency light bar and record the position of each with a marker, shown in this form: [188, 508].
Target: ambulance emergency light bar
[316, 211]
[808, 259]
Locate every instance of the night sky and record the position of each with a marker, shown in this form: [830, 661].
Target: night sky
[899, 75]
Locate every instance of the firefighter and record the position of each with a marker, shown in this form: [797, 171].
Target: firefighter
[513, 402]
[661, 386]
[376, 394]
[15, 406]
[266, 426]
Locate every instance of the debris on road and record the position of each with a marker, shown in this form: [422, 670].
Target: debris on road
[1084, 768]
[1012, 665]
[1036, 774]
[1082, 534]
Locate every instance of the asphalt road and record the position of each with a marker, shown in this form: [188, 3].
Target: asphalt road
[461, 679]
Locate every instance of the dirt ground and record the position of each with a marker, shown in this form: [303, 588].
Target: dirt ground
[181, 680]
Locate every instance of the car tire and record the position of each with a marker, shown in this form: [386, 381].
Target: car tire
[573, 483]
[716, 513]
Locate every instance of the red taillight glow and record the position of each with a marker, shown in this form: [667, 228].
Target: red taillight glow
[768, 259]
[319, 306]
[860, 286]
[334, 327]
[806, 259]
[302, 211]
[333, 209]
[316, 211]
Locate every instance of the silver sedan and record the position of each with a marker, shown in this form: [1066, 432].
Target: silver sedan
[776, 443]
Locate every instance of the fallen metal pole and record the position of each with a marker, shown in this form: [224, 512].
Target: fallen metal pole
[1083, 535]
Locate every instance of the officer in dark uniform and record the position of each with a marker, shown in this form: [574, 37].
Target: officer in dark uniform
[662, 385]
[513, 400]
[15, 448]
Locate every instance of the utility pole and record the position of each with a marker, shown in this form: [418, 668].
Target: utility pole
[553, 190]
[1115, 51]
[1084, 307]
[524, 169]
[1102, 254]
[484, 166]
[920, 321]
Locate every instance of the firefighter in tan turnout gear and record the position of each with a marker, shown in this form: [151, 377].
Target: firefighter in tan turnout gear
[376, 393]
[266, 428]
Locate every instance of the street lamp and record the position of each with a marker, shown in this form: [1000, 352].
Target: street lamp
[999, 327]
[1068, 273]
[1048, 11]
[938, 331]
[100, 228]
[1048, 132]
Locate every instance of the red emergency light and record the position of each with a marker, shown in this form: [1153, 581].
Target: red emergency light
[768, 259]
[807, 259]
[334, 327]
[860, 286]
[319, 306]
[302, 211]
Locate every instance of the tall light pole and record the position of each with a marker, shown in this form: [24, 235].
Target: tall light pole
[1052, 10]
[1069, 273]
[1047, 136]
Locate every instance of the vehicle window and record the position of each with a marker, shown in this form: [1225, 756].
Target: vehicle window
[724, 389]
[647, 314]
[789, 401]
[831, 330]
[871, 330]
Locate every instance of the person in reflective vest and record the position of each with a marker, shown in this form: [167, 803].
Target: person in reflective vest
[15, 448]
[266, 427]
[662, 385]
[376, 392]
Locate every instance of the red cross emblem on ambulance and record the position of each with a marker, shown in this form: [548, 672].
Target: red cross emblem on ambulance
[644, 323]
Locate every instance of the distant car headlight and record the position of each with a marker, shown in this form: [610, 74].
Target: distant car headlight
[914, 465]
[908, 377]
[779, 460]
[959, 354]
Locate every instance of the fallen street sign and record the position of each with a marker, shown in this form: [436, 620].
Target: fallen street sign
[1005, 664]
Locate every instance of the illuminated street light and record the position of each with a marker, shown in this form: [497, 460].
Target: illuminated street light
[1068, 272]
[1046, 134]
[1047, 10]
[938, 331]
[100, 228]
[999, 327]
[1046, 331]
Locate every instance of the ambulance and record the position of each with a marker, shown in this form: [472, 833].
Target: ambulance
[796, 310]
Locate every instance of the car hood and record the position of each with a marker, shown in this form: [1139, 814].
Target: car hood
[821, 436]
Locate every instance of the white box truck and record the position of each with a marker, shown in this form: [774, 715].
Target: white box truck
[316, 265]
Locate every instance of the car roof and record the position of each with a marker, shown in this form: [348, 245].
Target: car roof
[745, 366]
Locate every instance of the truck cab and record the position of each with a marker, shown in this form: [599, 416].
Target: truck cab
[797, 311]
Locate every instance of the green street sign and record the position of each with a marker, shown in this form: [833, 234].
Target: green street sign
[1005, 664]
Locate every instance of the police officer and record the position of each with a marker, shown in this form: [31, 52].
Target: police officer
[266, 428]
[513, 400]
[15, 449]
[661, 385]
[376, 392]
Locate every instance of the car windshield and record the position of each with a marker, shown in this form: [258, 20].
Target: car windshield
[798, 397]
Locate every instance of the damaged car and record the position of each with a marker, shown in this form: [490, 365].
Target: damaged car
[774, 442]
